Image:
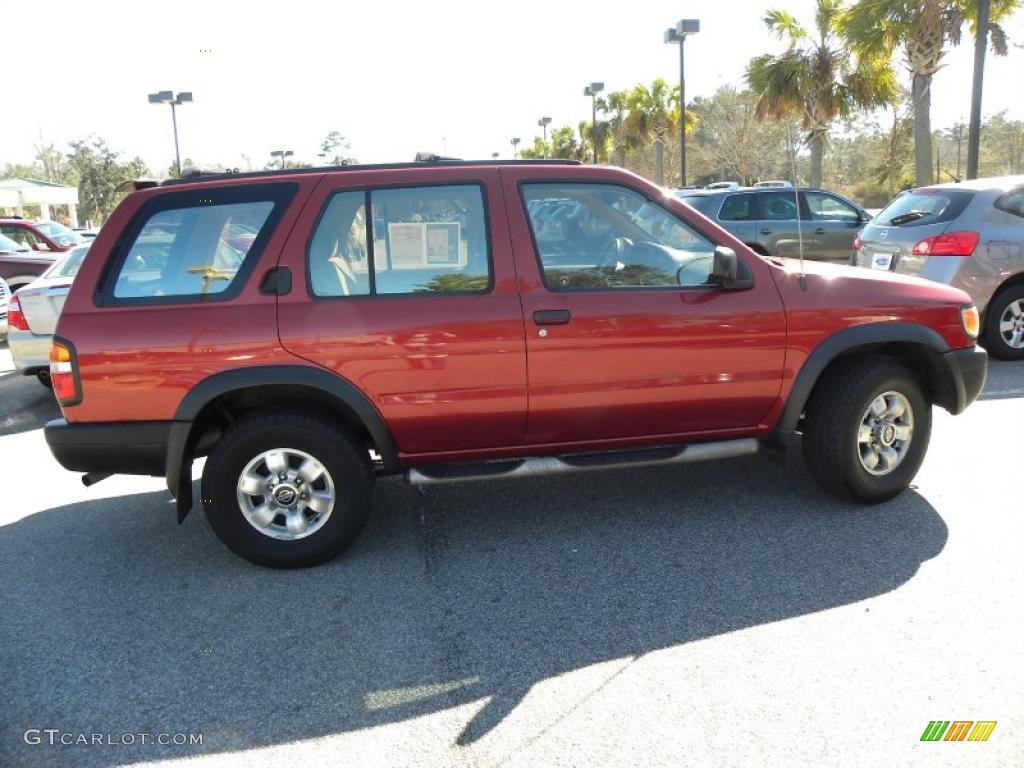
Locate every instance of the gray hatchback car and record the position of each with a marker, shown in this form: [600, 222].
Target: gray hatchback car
[766, 219]
[968, 235]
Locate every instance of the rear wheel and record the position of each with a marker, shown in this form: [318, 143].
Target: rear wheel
[866, 429]
[285, 490]
[1004, 324]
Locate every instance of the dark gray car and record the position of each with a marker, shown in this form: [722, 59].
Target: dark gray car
[766, 219]
[968, 235]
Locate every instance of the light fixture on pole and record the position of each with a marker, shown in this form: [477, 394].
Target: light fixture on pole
[592, 90]
[544, 122]
[515, 143]
[282, 153]
[677, 34]
[168, 97]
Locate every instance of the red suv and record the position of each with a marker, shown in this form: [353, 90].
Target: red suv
[309, 330]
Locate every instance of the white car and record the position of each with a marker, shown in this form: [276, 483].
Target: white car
[34, 311]
[5, 297]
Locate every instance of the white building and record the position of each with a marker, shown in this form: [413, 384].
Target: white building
[16, 193]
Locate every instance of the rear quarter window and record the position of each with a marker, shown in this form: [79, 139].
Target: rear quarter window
[703, 203]
[921, 207]
[195, 245]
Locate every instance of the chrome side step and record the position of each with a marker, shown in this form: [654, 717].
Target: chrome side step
[554, 465]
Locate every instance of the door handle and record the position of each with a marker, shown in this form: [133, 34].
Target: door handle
[551, 316]
[765, 231]
[819, 231]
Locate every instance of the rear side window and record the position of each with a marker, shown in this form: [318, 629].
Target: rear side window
[737, 208]
[196, 245]
[424, 240]
[1012, 202]
[924, 206]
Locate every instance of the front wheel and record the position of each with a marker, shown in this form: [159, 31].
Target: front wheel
[285, 490]
[866, 429]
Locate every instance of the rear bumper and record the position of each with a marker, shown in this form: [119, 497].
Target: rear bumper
[969, 369]
[30, 351]
[128, 448]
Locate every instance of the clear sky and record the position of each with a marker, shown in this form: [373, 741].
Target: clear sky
[394, 76]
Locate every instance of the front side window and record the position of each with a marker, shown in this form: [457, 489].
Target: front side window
[197, 245]
[778, 206]
[60, 234]
[608, 236]
[827, 208]
[424, 240]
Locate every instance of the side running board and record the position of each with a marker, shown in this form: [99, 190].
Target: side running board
[583, 462]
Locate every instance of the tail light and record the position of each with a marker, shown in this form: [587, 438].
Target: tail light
[15, 317]
[64, 373]
[948, 244]
[856, 242]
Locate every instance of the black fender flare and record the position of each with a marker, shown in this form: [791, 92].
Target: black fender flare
[838, 343]
[180, 443]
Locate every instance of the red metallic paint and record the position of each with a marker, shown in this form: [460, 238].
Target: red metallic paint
[450, 375]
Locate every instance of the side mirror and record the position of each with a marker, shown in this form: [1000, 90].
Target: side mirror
[864, 217]
[725, 267]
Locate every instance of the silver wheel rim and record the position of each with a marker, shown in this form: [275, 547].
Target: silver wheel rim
[286, 494]
[1011, 324]
[885, 433]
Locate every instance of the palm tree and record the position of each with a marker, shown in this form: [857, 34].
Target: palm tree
[817, 77]
[622, 141]
[921, 29]
[653, 116]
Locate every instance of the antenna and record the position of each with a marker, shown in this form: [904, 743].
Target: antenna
[796, 199]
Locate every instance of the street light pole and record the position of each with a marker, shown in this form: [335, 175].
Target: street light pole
[515, 143]
[168, 97]
[677, 34]
[544, 122]
[592, 90]
[282, 153]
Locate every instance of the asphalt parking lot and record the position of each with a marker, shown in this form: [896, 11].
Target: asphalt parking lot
[715, 614]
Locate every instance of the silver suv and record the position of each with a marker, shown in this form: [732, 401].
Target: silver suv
[766, 220]
[968, 235]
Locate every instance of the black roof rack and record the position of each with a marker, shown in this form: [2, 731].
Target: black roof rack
[200, 175]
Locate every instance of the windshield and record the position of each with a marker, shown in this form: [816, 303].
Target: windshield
[10, 246]
[68, 266]
[60, 234]
[924, 206]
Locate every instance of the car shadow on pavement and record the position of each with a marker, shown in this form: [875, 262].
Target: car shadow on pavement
[120, 621]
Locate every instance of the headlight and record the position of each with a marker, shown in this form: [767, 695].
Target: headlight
[971, 320]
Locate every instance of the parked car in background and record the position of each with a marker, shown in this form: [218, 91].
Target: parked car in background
[20, 265]
[5, 296]
[40, 235]
[33, 314]
[969, 235]
[766, 220]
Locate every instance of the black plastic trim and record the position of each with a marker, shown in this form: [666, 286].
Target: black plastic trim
[969, 369]
[230, 381]
[844, 341]
[119, 447]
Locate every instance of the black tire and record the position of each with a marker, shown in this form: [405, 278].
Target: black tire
[44, 379]
[347, 463]
[995, 344]
[833, 418]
